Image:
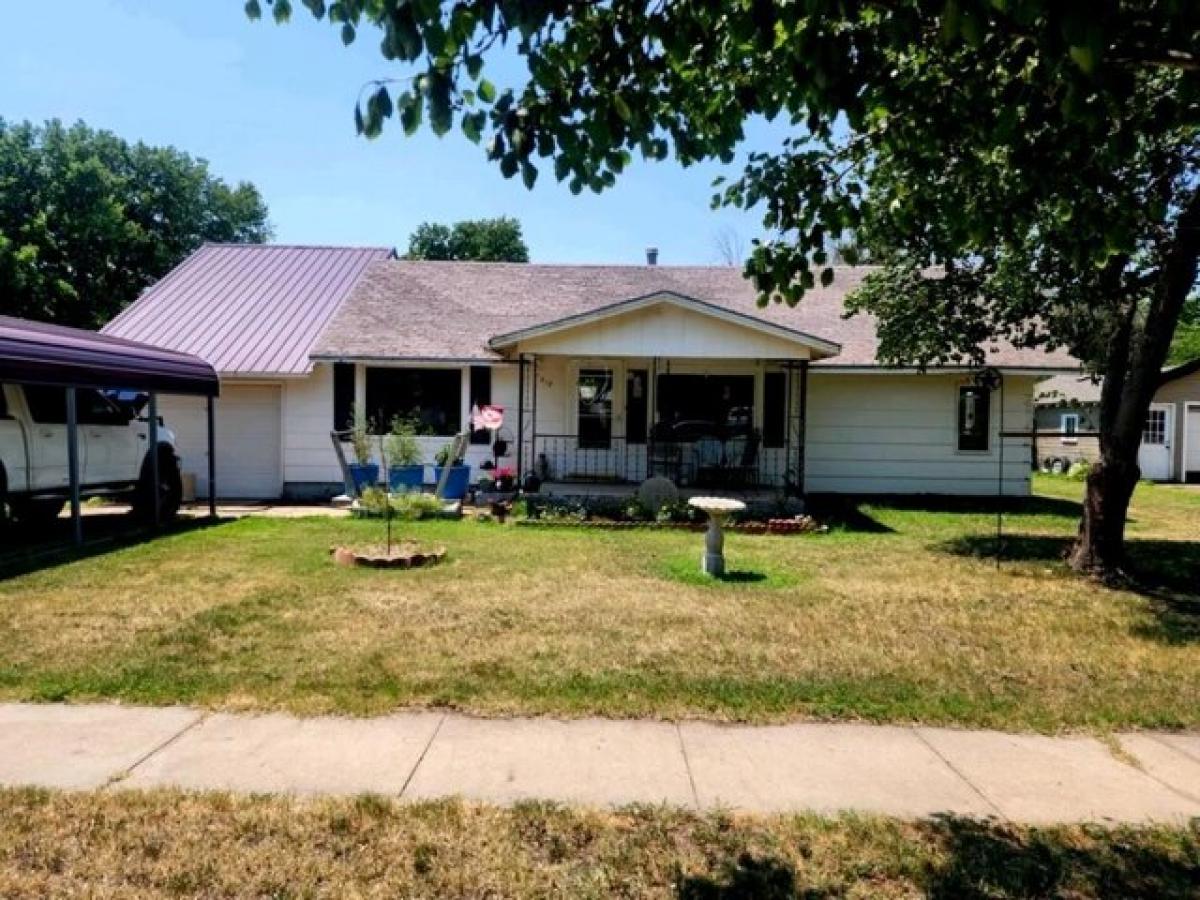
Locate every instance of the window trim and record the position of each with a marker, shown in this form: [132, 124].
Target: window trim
[1072, 436]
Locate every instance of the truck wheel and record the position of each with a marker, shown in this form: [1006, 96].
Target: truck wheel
[36, 512]
[170, 489]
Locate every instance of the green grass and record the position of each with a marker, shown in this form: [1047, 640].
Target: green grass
[168, 844]
[899, 614]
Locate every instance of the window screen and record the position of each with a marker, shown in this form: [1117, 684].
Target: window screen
[481, 395]
[974, 411]
[343, 396]
[595, 405]
[637, 405]
[432, 398]
[774, 409]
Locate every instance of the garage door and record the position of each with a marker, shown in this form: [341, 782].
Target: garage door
[248, 440]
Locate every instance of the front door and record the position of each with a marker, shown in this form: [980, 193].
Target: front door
[1154, 455]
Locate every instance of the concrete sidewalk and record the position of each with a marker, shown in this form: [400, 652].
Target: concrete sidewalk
[907, 772]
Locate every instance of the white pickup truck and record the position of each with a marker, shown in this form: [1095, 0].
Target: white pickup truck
[114, 457]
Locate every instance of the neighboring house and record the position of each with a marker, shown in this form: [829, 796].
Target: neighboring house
[606, 373]
[1068, 417]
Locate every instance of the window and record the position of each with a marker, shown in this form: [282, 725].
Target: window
[595, 406]
[774, 409]
[1070, 428]
[1155, 431]
[974, 408]
[430, 397]
[48, 406]
[637, 405]
[691, 407]
[343, 396]
[481, 395]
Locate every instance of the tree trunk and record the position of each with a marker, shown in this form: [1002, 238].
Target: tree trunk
[1100, 546]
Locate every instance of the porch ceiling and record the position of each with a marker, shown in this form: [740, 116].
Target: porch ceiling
[666, 324]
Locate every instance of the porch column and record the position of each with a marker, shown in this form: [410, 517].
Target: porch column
[520, 417]
[212, 459]
[154, 473]
[803, 427]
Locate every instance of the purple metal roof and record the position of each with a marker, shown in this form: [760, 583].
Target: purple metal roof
[37, 353]
[248, 309]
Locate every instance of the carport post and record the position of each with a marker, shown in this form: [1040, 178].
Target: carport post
[73, 465]
[153, 410]
[212, 460]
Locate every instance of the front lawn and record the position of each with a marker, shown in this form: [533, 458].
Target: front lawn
[897, 615]
[127, 844]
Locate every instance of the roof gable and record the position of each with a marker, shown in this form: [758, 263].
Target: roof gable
[666, 323]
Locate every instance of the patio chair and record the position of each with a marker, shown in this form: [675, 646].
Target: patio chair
[710, 460]
[741, 469]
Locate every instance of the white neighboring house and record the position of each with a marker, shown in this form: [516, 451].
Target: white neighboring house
[606, 374]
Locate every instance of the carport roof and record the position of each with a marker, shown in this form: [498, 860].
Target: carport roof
[37, 353]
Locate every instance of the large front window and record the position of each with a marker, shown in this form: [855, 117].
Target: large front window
[691, 407]
[431, 398]
[595, 406]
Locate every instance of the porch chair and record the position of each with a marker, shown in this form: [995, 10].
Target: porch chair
[741, 458]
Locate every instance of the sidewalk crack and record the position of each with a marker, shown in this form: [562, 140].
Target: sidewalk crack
[953, 768]
[124, 774]
[687, 765]
[420, 759]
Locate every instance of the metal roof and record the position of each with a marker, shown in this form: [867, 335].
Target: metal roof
[37, 353]
[247, 309]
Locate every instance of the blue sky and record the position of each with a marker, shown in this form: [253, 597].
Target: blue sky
[274, 106]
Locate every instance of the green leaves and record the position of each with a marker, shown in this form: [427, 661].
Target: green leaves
[484, 240]
[486, 91]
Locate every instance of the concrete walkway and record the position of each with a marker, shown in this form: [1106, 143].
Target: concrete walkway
[907, 772]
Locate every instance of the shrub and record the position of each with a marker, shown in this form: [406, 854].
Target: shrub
[1080, 470]
[401, 446]
[409, 507]
[360, 435]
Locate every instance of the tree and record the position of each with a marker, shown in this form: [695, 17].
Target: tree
[1021, 169]
[729, 247]
[1186, 345]
[481, 240]
[87, 220]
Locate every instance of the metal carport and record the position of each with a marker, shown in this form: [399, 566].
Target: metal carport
[72, 358]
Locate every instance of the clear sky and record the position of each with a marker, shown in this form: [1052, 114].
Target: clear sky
[274, 106]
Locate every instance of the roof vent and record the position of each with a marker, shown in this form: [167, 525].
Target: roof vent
[652, 256]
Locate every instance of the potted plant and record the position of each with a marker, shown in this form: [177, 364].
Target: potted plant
[363, 472]
[459, 478]
[506, 480]
[406, 469]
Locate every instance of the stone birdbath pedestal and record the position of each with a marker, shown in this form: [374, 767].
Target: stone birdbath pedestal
[718, 509]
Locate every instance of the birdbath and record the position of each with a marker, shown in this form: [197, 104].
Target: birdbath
[719, 509]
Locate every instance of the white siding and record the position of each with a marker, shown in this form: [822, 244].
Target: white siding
[896, 434]
[308, 455]
[247, 439]
[668, 330]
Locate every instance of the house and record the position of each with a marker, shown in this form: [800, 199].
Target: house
[1067, 418]
[606, 374]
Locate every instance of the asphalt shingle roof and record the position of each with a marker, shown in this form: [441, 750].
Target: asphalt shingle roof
[449, 310]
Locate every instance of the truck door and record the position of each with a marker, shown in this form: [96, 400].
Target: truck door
[48, 438]
[113, 445]
[13, 454]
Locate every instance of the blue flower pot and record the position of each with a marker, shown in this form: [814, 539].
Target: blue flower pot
[456, 483]
[363, 476]
[402, 479]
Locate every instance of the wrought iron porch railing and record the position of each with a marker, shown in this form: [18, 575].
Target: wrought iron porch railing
[701, 463]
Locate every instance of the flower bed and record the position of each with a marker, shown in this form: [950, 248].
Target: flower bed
[404, 555]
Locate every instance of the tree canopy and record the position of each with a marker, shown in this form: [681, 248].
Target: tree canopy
[88, 220]
[1026, 170]
[481, 240]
